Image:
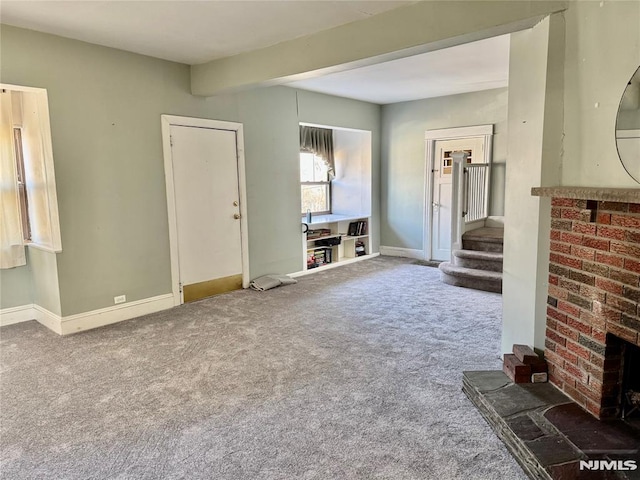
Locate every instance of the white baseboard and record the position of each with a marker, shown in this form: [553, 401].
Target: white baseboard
[402, 252]
[49, 319]
[86, 320]
[106, 316]
[10, 316]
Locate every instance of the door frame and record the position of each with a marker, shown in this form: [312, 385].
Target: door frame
[167, 121]
[430, 139]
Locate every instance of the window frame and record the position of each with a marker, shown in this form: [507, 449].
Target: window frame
[327, 183]
[23, 197]
[44, 222]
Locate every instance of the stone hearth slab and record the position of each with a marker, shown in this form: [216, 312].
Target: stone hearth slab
[516, 398]
[487, 380]
[591, 435]
[547, 433]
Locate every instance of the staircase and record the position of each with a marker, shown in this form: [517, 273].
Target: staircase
[479, 264]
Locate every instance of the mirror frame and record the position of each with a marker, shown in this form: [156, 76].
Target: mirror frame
[635, 73]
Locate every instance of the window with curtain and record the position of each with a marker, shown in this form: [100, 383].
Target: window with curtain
[28, 203]
[316, 169]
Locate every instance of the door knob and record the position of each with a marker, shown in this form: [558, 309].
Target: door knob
[236, 216]
[235, 203]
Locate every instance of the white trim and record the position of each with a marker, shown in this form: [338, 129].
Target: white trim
[431, 136]
[458, 132]
[329, 266]
[49, 319]
[167, 121]
[333, 127]
[87, 320]
[44, 248]
[47, 152]
[10, 316]
[118, 313]
[402, 252]
[21, 88]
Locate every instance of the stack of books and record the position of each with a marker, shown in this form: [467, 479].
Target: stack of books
[357, 228]
[317, 258]
[320, 232]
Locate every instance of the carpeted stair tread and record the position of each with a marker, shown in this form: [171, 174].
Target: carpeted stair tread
[486, 239]
[456, 270]
[478, 260]
[489, 281]
[478, 255]
[485, 234]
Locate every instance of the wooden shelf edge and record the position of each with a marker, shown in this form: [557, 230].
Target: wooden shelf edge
[344, 261]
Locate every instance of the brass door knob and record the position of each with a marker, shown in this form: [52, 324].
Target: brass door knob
[236, 216]
[235, 203]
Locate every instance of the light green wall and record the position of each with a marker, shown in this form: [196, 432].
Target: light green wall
[602, 53]
[15, 286]
[534, 150]
[44, 280]
[105, 108]
[403, 156]
[272, 152]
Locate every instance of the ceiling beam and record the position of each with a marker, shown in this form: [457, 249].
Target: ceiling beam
[417, 28]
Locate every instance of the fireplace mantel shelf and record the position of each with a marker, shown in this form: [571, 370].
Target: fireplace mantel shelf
[629, 195]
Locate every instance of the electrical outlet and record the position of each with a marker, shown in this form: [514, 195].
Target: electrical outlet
[120, 299]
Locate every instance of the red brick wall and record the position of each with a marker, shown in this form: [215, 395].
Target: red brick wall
[594, 295]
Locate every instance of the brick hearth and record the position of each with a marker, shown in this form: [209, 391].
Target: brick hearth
[594, 295]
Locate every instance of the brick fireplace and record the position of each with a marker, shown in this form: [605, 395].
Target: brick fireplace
[593, 312]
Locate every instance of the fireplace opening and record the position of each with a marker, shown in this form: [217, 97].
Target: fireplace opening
[630, 385]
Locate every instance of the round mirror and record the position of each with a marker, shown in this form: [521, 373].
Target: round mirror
[628, 127]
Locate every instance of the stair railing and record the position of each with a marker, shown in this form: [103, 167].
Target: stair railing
[476, 188]
[459, 161]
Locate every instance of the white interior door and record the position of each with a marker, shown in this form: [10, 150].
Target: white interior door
[442, 184]
[207, 207]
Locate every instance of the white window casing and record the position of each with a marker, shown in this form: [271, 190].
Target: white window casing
[33, 117]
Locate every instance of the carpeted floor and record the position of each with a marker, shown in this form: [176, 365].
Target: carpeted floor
[353, 373]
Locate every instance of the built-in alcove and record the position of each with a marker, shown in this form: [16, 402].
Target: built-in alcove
[349, 222]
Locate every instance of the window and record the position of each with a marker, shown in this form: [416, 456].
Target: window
[315, 185]
[29, 206]
[23, 201]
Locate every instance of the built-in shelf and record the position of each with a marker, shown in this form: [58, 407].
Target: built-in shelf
[332, 217]
[324, 237]
[349, 246]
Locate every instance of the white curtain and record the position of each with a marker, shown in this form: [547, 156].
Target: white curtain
[12, 252]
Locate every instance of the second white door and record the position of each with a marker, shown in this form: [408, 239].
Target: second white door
[441, 199]
[207, 204]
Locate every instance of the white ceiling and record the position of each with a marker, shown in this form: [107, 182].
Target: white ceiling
[186, 31]
[195, 32]
[465, 68]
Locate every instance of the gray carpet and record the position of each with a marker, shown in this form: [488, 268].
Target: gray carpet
[353, 373]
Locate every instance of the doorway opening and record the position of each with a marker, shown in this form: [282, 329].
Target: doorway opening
[441, 207]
